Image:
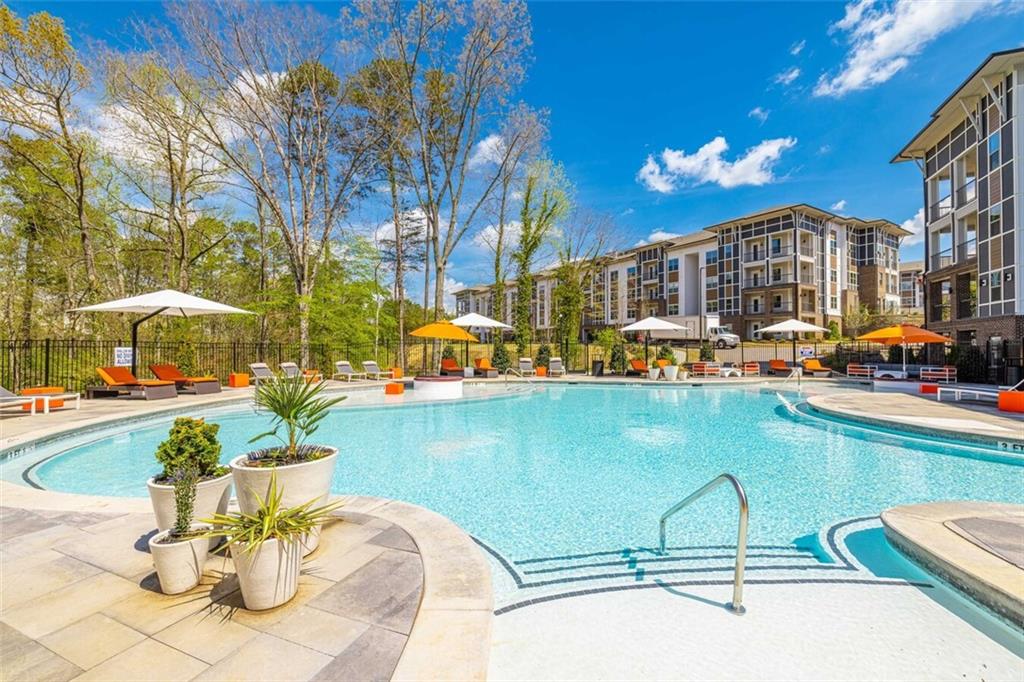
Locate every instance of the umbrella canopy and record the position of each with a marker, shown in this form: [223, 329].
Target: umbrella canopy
[793, 326]
[443, 329]
[479, 321]
[903, 334]
[651, 324]
[163, 302]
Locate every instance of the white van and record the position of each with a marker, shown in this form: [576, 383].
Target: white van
[722, 337]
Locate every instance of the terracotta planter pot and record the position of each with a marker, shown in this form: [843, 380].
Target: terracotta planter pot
[212, 497]
[298, 483]
[269, 575]
[179, 565]
[542, 371]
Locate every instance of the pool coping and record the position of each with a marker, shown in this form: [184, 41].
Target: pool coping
[919, 532]
[451, 634]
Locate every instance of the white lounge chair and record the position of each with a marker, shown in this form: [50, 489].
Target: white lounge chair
[374, 371]
[8, 399]
[261, 372]
[555, 368]
[526, 367]
[343, 370]
[291, 371]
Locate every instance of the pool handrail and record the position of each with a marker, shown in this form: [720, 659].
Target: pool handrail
[736, 606]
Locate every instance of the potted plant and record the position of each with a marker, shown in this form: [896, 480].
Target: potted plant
[267, 545]
[543, 360]
[191, 445]
[304, 471]
[179, 553]
[667, 362]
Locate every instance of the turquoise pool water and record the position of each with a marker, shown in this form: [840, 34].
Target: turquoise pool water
[574, 466]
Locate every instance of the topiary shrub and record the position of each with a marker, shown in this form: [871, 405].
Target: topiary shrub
[969, 362]
[543, 358]
[191, 445]
[833, 331]
[500, 359]
[187, 359]
[707, 352]
[665, 352]
[618, 359]
[448, 352]
[184, 500]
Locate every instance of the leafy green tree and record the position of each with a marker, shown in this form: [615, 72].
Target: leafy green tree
[543, 355]
[501, 359]
[665, 352]
[833, 331]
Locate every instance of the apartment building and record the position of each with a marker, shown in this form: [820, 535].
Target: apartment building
[969, 155]
[748, 272]
[912, 287]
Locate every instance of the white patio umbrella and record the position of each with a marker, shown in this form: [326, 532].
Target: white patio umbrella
[163, 302]
[652, 324]
[480, 322]
[794, 327]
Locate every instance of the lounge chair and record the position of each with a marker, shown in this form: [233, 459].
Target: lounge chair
[120, 382]
[706, 369]
[526, 367]
[291, 370]
[374, 371]
[484, 368]
[751, 369]
[637, 368]
[779, 367]
[863, 371]
[48, 398]
[261, 372]
[814, 366]
[450, 367]
[555, 368]
[945, 374]
[184, 384]
[343, 370]
[8, 399]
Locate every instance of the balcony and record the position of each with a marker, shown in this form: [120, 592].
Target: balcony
[807, 250]
[783, 307]
[781, 251]
[754, 309]
[966, 193]
[966, 249]
[940, 208]
[806, 278]
[807, 307]
[942, 259]
[754, 256]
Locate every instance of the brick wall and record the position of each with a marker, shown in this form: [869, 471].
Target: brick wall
[1007, 326]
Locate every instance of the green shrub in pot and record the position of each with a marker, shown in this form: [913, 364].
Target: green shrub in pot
[191, 445]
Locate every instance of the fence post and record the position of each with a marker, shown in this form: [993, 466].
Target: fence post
[46, 362]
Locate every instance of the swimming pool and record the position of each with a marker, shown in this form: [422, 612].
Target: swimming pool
[566, 468]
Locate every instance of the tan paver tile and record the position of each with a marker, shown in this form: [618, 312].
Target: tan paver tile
[268, 658]
[22, 659]
[326, 632]
[333, 563]
[209, 635]
[25, 546]
[309, 587]
[22, 583]
[449, 645]
[371, 657]
[385, 592]
[147, 660]
[92, 640]
[150, 611]
[60, 608]
[115, 551]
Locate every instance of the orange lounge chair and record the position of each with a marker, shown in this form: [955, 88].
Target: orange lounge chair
[662, 364]
[814, 366]
[120, 381]
[779, 367]
[449, 367]
[637, 367]
[751, 369]
[197, 385]
[484, 368]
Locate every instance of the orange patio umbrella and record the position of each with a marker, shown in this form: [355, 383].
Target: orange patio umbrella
[903, 334]
[443, 329]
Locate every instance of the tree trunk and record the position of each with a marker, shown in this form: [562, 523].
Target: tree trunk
[263, 275]
[399, 266]
[29, 290]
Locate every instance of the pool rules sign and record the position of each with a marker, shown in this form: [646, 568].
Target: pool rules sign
[122, 356]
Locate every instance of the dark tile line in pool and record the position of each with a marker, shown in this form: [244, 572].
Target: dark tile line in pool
[697, 583]
[643, 572]
[634, 562]
[628, 551]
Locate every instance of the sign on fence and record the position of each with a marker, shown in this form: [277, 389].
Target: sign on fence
[122, 356]
[806, 351]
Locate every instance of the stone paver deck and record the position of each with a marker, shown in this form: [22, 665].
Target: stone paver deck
[919, 531]
[920, 414]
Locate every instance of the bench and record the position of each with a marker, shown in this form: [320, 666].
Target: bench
[946, 374]
[706, 369]
[864, 371]
[958, 392]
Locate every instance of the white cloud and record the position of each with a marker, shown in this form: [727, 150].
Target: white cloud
[491, 149]
[915, 226]
[450, 287]
[657, 236]
[487, 238]
[884, 36]
[797, 48]
[759, 113]
[788, 76]
[414, 217]
[839, 205]
[707, 165]
[824, 149]
[628, 211]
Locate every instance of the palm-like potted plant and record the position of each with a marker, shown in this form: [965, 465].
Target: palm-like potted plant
[179, 553]
[304, 471]
[267, 545]
[191, 445]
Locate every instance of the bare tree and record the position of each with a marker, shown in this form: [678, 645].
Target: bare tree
[582, 238]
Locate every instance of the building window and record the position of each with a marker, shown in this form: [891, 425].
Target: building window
[833, 302]
[712, 306]
[673, 308]
[833, 276]
[995, 219]
[711, 257]
[673, 287]
[993, 150]
[673, 264]
[776, 245]
[833, 245]
[995, 283]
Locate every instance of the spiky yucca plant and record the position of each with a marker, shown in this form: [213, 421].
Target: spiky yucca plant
[298, 408]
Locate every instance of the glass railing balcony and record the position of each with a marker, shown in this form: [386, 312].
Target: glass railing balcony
[806, 278]
[940, 208]
[942, 259]
[966, 192]
[754, 256]
[807, 307]
[780, 252]
[807, 250]
[966, 250]
[784, 307]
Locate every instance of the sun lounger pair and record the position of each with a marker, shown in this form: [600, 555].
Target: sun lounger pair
[262, 372]
[33, 399]
[119, 382]
[343, 370]
[184, 384]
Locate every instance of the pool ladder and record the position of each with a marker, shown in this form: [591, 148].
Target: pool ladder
[736, 606]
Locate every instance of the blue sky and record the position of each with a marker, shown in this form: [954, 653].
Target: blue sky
[820, 95]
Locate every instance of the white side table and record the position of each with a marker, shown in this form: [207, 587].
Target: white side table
[467, 372]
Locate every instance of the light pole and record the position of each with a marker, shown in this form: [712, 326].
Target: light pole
[703, 302]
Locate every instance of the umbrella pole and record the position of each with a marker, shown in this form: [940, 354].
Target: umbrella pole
[647, 339]
[135, 337]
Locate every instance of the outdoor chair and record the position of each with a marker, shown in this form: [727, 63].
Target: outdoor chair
[555, 368]
[8, 399]
[343, 370]
[450, 367]
[291, 371]
[261, 372]
[120, 382]
[637, 368]
[751, 369]
[184, 384]
[779, 367]
[374, 371]
[863, 371]
[484, 368]
[814, 366]
[49, 397]
[526, 367]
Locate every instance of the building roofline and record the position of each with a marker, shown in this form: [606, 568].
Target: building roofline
[829, 214]
[901, 154]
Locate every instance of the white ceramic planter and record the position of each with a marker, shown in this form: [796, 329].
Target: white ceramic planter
[269, 575]
[684, 374]
[671, 372]
[212, 497]
[179, 565]
[653, 373]
[298, 483]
